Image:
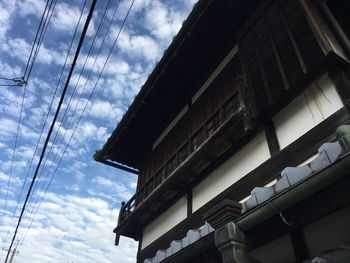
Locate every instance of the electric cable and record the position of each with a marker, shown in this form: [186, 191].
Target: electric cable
[41, 38]
[47, 115]
[82, 37]
[85, 107]
[72, 96]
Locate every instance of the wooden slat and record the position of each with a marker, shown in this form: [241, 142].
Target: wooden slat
[292, 39]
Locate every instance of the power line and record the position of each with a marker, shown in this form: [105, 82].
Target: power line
[10, 85]
[81, 115]
[41, 37]
[47, 116]
[20, 81]
[13, 155]
[88, 19]
[69, 122]
[74, 93]
[66, 111]
[36, 36]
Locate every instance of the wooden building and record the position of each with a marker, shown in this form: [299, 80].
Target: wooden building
[233, 137]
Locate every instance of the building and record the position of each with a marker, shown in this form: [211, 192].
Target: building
[233, 137]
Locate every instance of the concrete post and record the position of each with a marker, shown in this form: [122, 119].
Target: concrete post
[231, 243]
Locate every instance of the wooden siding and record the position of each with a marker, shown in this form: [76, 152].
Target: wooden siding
[215, 96]
[278, 49]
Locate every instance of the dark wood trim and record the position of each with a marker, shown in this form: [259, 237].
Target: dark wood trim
[336, 28]
[340, 74]
[292, 39]
[315, 27]
[249, 84]
[139, 248]
[271, 138]
[276, 54]
[189, 203]
[262, 70]
[301, 251]
[119, 166]
[292, 155]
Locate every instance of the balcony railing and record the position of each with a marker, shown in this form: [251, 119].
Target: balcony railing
[231, 106]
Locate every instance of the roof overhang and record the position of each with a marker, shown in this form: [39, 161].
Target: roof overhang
[204, 39]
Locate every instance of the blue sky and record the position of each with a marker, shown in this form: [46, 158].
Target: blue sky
[75, 220]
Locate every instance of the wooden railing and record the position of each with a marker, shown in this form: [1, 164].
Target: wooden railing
[182, 154]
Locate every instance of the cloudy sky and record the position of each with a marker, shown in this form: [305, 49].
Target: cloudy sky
[79, 199]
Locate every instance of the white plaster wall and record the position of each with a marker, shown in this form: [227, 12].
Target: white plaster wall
[166, 221]
[247, 159]
[319, 101]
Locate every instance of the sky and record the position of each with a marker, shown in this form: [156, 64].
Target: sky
[79, 198]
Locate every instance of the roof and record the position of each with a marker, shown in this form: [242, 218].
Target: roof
[202, 42]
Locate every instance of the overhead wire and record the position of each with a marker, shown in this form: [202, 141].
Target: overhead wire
[36, 37]
[20, 117]
[10, 85]
[82, 92]
[70, 101]
[46, 16]
[38, 187]
[47, 116]
[82, 113]
[13, 158]
[41, 37]
[18, 80]
[82, 37]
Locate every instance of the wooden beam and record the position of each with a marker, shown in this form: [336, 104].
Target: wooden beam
[271, 138]
[276, 54]
[292, 38]
[189, 203]
[301, 251]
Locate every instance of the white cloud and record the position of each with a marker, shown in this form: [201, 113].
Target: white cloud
[139, 46]
[66, 17]
[19, 48]
[7, 8]
[4, 178]
[31, 7]
[115, 188]
[82, 234]
[9, 128]
[89, 131]
[162, 21]
[105, 110]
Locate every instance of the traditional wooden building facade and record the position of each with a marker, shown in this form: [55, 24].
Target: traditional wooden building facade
[233, 137]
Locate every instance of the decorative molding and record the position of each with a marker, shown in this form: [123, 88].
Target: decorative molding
[223, 213]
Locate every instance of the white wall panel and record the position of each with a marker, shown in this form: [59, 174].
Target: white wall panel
[247, 159]
[166, 221]
[319, 101]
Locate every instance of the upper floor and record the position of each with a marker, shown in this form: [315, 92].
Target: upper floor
[239, 75]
